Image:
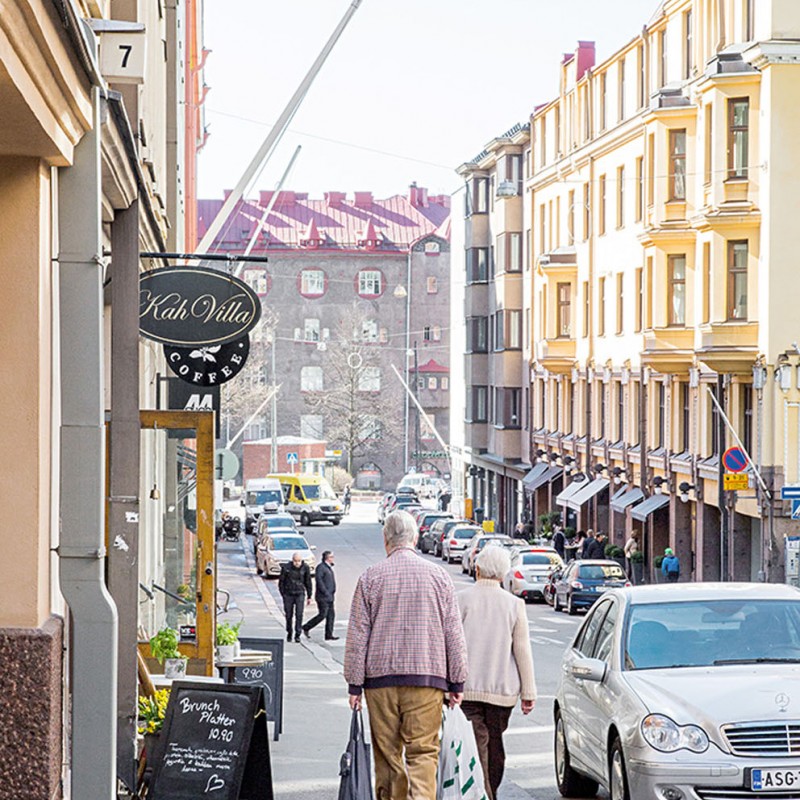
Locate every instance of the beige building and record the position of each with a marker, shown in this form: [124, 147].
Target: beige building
[90, 175]
[663, 197]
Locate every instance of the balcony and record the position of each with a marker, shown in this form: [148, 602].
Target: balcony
[556, 355]
[729, 347]
[669, 350]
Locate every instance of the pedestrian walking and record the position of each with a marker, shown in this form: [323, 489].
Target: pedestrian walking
[324, 594]
[347, 499]
[631, 547]
[670, 566]
[592, 548]
[559, 542]
[580, 544]
[294, 584]
[405, 649]
[500, 661]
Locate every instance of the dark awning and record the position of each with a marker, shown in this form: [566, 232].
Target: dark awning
[624, 498]
[585, 494]
[547, 475]
[570, 490]
[534, 474]
[644, 510]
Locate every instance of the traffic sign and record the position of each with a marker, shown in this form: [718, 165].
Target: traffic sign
[337, 453]
[291, 458]
[734, 459]
[790, 493]
[226, 464]
[795, 509]
[733, 482]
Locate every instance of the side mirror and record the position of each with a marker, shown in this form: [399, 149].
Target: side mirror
[588, 669]
[313, 547]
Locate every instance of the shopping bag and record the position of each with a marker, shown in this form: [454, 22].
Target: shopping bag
[355, 769]
[460, 774]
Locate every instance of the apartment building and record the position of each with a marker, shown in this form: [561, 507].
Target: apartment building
[490, 322]
[663, 208]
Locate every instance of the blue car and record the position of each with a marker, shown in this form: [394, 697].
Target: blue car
[583, 583]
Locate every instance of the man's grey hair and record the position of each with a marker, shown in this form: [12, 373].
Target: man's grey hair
[493, 562]
[400, 530]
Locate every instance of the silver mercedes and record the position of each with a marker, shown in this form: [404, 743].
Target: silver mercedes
[683, 692]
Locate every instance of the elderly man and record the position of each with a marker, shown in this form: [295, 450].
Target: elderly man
[405, 649]
[293, 583]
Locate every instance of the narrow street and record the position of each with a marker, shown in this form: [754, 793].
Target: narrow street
[305, 760]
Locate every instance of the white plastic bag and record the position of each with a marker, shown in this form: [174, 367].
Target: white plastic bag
[460, 774]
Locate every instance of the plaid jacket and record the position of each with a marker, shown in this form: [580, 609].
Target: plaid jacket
[405, 627]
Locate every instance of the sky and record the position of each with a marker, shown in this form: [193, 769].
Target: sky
[413, 88]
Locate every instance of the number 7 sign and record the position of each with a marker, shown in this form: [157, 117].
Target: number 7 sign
[123, 56]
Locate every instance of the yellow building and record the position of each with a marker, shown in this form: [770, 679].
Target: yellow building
[663, 198]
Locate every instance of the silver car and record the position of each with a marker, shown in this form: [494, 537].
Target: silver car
[530, 571]
[683, 693]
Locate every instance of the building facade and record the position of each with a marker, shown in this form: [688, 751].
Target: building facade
[360, 273]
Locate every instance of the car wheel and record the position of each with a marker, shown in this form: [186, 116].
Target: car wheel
[571, 610]
[335, 522]
[556, 603]
[463, 571]
[570, 783]
[304, 520]
[259, 571]
[618, 782]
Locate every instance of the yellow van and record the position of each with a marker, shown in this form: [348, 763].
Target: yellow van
[309, 498]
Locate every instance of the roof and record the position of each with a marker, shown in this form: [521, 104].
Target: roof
[710, 591]
[333, 223]
[432, 366]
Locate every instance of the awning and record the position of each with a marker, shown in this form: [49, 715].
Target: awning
[570, 490]
[624, 498]
[644, 510]
[585, 494]
[546, 475]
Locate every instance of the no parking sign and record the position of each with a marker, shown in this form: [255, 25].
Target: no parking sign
[735, 460]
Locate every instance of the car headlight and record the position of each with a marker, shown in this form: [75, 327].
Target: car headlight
[315, 509]
[663, 734]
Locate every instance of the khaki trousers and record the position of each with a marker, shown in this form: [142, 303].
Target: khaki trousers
[405, 718]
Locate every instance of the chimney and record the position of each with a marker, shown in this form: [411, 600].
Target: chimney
[422, 197]
[363, 199]
[586, 57]
[285, 198]
[334, 198]
[413, 194]
[264, 197]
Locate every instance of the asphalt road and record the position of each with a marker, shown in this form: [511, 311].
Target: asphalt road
[357, 543]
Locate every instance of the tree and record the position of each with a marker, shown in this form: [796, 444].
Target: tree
[359, 406]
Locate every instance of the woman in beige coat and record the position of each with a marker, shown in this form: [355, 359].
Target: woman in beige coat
[500, 660]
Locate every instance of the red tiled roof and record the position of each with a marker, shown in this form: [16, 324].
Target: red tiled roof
[338, 222]
[432, 366]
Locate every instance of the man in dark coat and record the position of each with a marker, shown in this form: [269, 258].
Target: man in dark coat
[594, 547]
[293, 584]
[324, 595]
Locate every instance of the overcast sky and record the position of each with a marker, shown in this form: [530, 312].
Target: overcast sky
[413, 89]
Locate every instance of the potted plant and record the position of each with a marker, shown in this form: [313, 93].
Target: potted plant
[164, 647]
[657, 561]
[227, 641]
[637, 566]
[616, 553]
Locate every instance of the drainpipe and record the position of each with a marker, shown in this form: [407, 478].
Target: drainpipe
[93, 615]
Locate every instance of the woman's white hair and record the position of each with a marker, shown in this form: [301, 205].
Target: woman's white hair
[493, 562]
[400, 530]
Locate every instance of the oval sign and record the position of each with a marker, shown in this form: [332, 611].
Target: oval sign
[208, 366]
[195, 307]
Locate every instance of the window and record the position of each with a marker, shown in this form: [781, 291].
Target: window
[557, 119]
[383, 335]
[370, 283]
[432, 285]
[514, 171]
[738, 137]
[661, 415]
[499, 333]
[571, 218]
[677, 164]
[444, 383]
[587, 301]
[587, 211]
[603, 414]
[651, 169]
[749, 19]
[369, 379]
[714, 422]
[620, 411]
[602, 101]
[620, 196]
[602, 210]
[708, 173]
[509, 252]
[688, 55]
[685, 418]
[311, 426]
[369, 330]
[513, 329]
[737, 280]
[476, 403]
[437, 333]
[648, 295]
[432, 382]
[312, 283]
[639, 298]
[747, 416]
[605, 636]
[543, 141]
[478, 196]
[507, 408]
[477, 334]
[706, 282]
[311, 379]
[642, 68]
[564, 310]
[639, 208]
[601, 307]
[477, 264]
[426, 334]
[621, 90]
[677, 290]
[258, 280]
[311, 330]
[662, 57]
[620, 302]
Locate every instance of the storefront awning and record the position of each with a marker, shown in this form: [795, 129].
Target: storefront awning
[546, 474]
[625, 497]
[652, 504]
[570, 490]
[585, 494]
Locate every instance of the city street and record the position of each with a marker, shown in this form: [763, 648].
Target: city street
[305, 760]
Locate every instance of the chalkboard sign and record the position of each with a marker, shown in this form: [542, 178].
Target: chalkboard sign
[214, 744]
[268, 675]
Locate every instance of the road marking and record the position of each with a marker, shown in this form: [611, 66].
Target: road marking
[546, 640]
[532, 729]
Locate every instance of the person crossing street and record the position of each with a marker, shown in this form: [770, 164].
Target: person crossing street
[325, 596]
[294, 583]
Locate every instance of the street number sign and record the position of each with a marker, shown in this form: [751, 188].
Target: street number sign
[733, 482]
[123, 55]
[734, 459]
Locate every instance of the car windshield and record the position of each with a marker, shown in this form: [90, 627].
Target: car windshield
[601, 572]
[404, 500]
[277, 521]
[462, 533]
[264, 496]
[289, 543]
[541, 559]
[501, 542]
[318, 491]
[712, 633]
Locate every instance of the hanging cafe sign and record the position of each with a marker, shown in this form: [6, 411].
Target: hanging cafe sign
[195, 307]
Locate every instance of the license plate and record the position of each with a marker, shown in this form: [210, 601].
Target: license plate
[771, 780]
[602, 588]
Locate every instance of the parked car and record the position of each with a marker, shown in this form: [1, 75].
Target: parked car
[276, 549]
[582, 583]
[456, 540]
[431, 542]
[476, 544]
[428, 517]
[685, 693]
[383, 505]
[530, 571]
[274, 523]
[402, 502]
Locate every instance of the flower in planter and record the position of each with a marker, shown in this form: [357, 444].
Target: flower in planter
[152, 711]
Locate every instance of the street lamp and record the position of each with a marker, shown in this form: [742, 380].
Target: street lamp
[684, 488]
[659, 485]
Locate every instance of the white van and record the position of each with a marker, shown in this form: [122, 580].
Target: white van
[419, 482]
[261, 495]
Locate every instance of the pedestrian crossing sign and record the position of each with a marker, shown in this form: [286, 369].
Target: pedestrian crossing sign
[795, 509]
